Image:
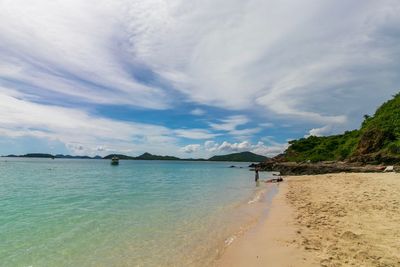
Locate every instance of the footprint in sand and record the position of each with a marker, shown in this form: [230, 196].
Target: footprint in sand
[348, 235]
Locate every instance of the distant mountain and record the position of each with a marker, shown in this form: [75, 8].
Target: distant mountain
[240, 157]
[148, 156]
[60, 156]
[49, 156]
[32, 155]
[120, 156]
[144, 156]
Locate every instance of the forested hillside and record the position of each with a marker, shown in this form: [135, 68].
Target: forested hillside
[377, 140]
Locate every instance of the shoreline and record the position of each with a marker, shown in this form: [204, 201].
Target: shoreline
[247, 215]
[325, 220]
[270, 241]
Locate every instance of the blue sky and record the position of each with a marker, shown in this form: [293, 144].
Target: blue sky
[190, 78]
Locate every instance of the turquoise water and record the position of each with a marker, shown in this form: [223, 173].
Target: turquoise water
[140, 213]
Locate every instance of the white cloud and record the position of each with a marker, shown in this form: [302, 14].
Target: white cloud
[312, 67]
[231, 124]
[269, 150]
[198, 112]
[235, 147]
[191, 148]
[71, 49]
[244, 133]
[211, 146]
[195, 133]
[85, 133]
[232, 55]
[320, 131]
[267, 124]
[100, 148]
[258, 148]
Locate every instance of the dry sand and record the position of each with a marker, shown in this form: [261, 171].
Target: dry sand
[326, 220]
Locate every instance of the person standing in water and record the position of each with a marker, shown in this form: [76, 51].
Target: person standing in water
[257, 176]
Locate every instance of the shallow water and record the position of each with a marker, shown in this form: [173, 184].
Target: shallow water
[68, 212]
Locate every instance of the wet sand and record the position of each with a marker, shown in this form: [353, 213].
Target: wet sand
[326, 220]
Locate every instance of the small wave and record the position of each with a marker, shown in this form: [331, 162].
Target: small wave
[256, 198]
[230, 240]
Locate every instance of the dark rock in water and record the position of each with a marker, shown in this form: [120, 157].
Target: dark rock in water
[232, 166]
[253, 165]
[294, 168]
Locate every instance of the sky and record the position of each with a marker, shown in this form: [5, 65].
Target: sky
[190, 78]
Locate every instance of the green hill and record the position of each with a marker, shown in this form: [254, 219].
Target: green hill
[120, 156]
[37, 155]
[144, 156]
[377, 141]
[240, 157]
[148, 156]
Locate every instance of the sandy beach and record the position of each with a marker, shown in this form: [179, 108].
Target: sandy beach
[326, 220]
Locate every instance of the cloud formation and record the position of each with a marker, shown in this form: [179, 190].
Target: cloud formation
[231, 124]
[308, 68]
[195, 133]
[316, 65]
[72, 49]
[198, 112]
[191, 148]
[260, 147]
[83, 133]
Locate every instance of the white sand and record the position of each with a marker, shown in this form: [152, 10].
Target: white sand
[326, 220]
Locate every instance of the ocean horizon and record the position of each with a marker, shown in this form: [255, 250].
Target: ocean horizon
[69, 212]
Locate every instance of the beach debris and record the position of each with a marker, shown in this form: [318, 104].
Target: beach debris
[230, 240]
[389, 169]
[275, 180]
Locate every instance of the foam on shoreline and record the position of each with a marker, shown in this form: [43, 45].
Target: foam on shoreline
[251, 214]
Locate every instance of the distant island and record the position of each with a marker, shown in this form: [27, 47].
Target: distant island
[236, 157]
[144, 156]
[239, 157]
[50, 156]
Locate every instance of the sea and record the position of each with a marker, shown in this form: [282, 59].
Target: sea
[78, 212]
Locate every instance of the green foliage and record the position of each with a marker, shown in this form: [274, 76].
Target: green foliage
[394, 148]
[386, 118]
[314, 149]
[379, 134]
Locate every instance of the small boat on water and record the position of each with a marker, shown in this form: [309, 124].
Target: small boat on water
[114, 160]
